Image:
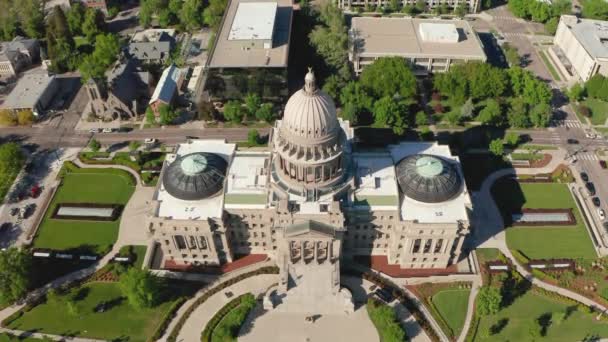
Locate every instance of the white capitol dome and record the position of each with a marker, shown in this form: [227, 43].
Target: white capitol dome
[310, 114]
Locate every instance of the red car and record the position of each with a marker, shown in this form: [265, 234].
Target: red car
[603, 164]
[35, 191]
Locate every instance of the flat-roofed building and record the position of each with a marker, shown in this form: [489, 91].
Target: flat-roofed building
[429, 45]
[33, 92]
[584, 43]
[473, 6]
[251, 51]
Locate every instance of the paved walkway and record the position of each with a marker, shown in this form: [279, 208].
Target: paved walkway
[490, 232]
[111, 166]
[41, 336]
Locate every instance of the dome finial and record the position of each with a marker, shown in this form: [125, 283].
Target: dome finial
[309, 82]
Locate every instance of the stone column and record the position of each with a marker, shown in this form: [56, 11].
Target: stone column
[315, 250]
[433, 244]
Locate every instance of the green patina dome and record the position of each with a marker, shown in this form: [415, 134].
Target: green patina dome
[428, 178]
[195, 176]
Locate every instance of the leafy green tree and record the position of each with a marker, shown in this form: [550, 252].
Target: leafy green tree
[421, 6]
[253, 137]
[25, 117]
[551, 25]
[491, 114]
[389, 76]
[461, 9]
[576, 92]
[395, 5]
[15, 266]
[519, 8]
[146, 11]
[597, 87]
[355, 95]
[93, 24]
[32, 17]
[409, 10]
[150, 117]
[233, 111]
[105, 54]
[518, 114]
[75, 17]
[94, 145]
[190, 14]
[332, 86]
[453, 118]
[595, 9]
[141, 288]
[454, 84]
[512, 139]
[166, 115]
[389, 113]
[265, 112]
[11, 161]
[331, 40]
[252, 103]
[489, 298]
[422, 119]
[212, 15]
[60, 43]
[467, 109]
[7, 118]
[349, 112]
[540, 115]
[9, 21]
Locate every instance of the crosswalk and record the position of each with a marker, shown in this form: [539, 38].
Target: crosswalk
[515, 34]
[566, 123]
[502, 17]
[587, 156]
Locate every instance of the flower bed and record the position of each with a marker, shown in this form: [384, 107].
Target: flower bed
[230, 316]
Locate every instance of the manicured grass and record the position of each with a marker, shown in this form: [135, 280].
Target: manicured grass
[538, 147]
[452, 306]
[12, 338]
[103, 186]
[119, 322]
[139, 252]
[550, 66]
[599, 110]
[487, 254]
[385, 321]
[542, 242]
[227, 329]
[522, 315]
[526, 156]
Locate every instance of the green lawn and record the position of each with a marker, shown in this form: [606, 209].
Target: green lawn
[452, 306]
[104, 186]
[139, 252]
[527, 156]
[550, 66]
[12, 338]
[599, 110]
[119, 322]
[522, 315]
[542, 242]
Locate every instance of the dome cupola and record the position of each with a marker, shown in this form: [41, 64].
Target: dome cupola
[427, 178]
[195, 176]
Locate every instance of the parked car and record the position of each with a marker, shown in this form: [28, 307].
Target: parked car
[572, 141]
[602, 214]
[108, 130]
[603, 164]
[94, 130]
[596, 201]
[14, 211]
[590, 188]
[5, 227]
[584, 176]
[150, 141]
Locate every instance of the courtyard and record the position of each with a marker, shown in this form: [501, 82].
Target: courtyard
[540, 242]
[88, 186]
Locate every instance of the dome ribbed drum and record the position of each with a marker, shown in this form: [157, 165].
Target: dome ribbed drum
[195, 176]
[428, 178]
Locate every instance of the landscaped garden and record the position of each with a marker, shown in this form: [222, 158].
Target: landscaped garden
[224, 326]
[542, 242]
[448, 302]
[87, 186]
[386, 322]
[509, 308]
[146, 164]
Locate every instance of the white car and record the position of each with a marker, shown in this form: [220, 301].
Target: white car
[94, 130]
[108, 130]
[602, 214]
[150, 141]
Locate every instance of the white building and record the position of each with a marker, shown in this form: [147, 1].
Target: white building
[473, 6]
[309, 202]
[33, 92]
[429, 45]
[582, 45]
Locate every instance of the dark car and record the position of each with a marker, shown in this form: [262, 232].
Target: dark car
[590, 188]
[5, 227]
[14, 211]
[603, 164]
[584, 177]
[572, 141]
[384, 294]
[596, 201]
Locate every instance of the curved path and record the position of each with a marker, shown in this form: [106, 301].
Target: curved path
[492, 235]
[80, 164]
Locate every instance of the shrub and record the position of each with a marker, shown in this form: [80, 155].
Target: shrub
[385, 320]
[584, 110]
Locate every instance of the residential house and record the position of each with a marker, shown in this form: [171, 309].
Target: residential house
[152, 46]
[17, 55]
[166, 89]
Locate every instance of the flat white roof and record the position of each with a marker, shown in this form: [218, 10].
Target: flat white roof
[592, 34]
[253, 21]
[247, 180]
[438, 32]
[377, 183]
[195, 210]
[28, 91]
[444, 212]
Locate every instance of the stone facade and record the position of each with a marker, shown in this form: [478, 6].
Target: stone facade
[474, 6]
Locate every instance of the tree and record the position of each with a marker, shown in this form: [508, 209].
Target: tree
[512, 54]
[25, 117]
[491, 114]
[349, 112]
[93, 24]
[32, 17]
[422, 119]
[11, 161]
[540, 115]
[512, 139]
[576, 92]
[252, 103]
[489, 298]
[8, 21]
[7, 118]
[461, 10]
[94, 145]
[389, 76]
[140, 287]
[146, 10]
[233, 111]
[355, 95]
[466, 111]
[454, 118]
[332, 86]
[60, 43]
[166, 115]
[265, 112]
[134, 145]
[190, 14]
[212, 15]
[105, 54]
[596, 86]
[331, 39]
[551, 25]
[15, 265]
[75, 17]
[253, 137]
[420, 6]
[150, 117]
[518, 114]
[389, 113]
[395, 5]
[595, 9]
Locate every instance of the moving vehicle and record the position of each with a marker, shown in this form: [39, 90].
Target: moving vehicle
[590, 188]
[108, 130]
[603, 164]
[572, 141]
[94, 130]
[596, 201]
[150, 141]
[602, 214]
[584, 176]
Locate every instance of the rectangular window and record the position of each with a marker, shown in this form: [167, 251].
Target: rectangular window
[438, 246]
[427, 246]
[416, 248]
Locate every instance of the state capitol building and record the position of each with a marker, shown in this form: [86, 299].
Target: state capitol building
[311, 200]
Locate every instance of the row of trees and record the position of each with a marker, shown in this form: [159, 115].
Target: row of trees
[21, 17]
[187, 14]
[542, 12]
[21, 118]
[11, 161]
[237, 111]
[595, 9]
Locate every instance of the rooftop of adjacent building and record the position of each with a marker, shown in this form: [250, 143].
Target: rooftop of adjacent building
[153, 35]
[591, 34]
[167, 85]
[28, 90]
[240, 26]
[247, 180]
[416, 38]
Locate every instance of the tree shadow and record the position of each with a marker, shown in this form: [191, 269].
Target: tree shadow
[570, 310]
[544, 321]
[512, 289]
[499, 326]
[80, 294]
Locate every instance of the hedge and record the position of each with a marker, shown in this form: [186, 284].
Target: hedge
[210, 292]
[164, 324]
[207, 333]
[70, 167]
